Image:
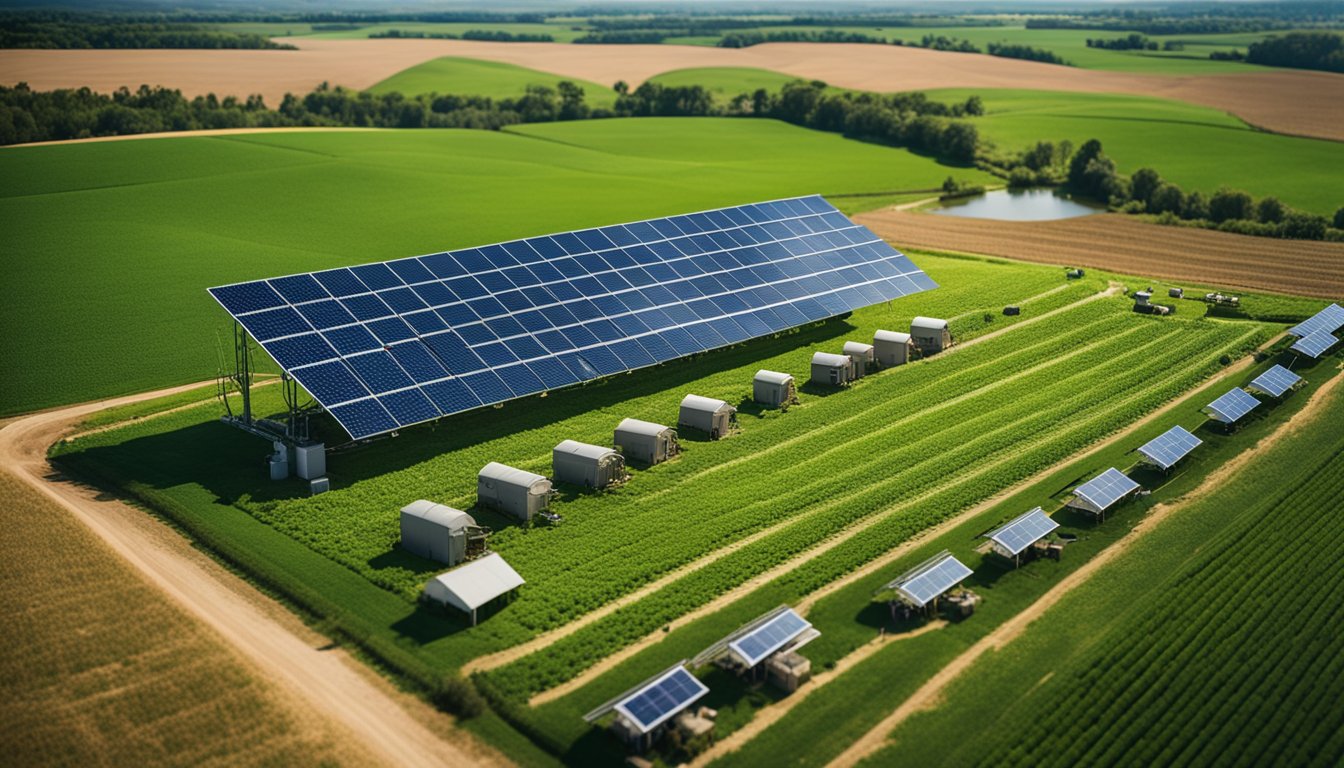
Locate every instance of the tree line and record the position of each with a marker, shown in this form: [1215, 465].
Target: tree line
[1300, 50]
[1131, 42]
[492, 35]
[60, 32]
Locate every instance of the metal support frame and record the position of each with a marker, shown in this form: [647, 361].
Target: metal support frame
[295, 428]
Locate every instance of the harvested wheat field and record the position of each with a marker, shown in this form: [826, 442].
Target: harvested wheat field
[1292, 101]
[100, 669]
[1127, 245]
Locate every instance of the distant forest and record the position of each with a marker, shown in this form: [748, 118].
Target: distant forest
[59, 29]
[1302, 50]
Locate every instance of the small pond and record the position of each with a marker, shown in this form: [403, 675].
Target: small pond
[1017, 205]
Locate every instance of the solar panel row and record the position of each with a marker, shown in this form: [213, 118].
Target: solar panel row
[1315, 344]
[1170, 447]
[1329, 320]
[1275, 381]
[1106, 489]
[1020, 533]
[756, 645]
[1232, 406]
[654, 703]
[932, 580]
[391, 344]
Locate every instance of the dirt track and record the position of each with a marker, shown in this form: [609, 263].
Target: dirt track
[1289, 101]
[1130, 246]
[931, 692]
[326, 680]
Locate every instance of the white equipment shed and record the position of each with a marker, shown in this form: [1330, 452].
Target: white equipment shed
[892, 348]
[713, 417]
[474, 584]
[591, 466]
[440, 533]
[512, 491]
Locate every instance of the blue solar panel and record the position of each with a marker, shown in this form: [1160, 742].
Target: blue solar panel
[1275, 381]
[658, 700]
[754, 646]
[931, 579]
[1170, 447]
[1315, 344]
[1232, 406]
[1019, 533]
[592, 303]
[1106, 489]
[1329, 320]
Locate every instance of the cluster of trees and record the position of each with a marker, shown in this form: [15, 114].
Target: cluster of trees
[942, 43]
[61, 31]
[624, 37]
[497, 36]
[1202, 17]
[1301, 50]
[1131, 42]
[748, 39]
[1092, 173]
[1015, 51]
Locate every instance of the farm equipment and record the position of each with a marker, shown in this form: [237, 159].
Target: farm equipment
[1222, 300]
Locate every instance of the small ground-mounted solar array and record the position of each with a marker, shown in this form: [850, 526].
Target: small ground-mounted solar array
[922, 584]
[1315, 344]
[1169, 447]
[778, 630]
[1230, 407]
[1012, 538]
[1329, 320]
[654, 701]
[391, 344]
[1103, 492]
[1275, 381]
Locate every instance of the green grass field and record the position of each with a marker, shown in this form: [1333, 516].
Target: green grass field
[725, 82]
[1196, 147]
[474, 77]
[110, 246]
[1243, 573]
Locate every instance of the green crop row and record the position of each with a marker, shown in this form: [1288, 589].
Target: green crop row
[1022, 414]
[1242, 644]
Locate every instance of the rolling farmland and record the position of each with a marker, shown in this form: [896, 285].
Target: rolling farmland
[474, 77]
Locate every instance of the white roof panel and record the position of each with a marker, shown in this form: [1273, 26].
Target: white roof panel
[479, 581]
[1315, 344]
[1106, 489]
[773, 377]
[698, 403]
[1275, 381]
[1329, 320]
[1232, 406]
[831, 360]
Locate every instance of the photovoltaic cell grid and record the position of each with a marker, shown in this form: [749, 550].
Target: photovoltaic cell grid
[1105, 489]
[1170, 447]
[1329, 320]
[933, 580]
[1315, 343]
[1018, 534]
[662, 698]
[1275, 381]
[391, 344]
[769, 637]
[1232, 406]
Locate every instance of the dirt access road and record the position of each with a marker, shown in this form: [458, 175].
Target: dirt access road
[327, 680]
[1295, 102]
[930, 694]
[1130, 246]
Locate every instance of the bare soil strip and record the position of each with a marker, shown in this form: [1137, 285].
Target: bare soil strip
[1130, 246]
[1296, 102]
[930, 694]
[270, 639]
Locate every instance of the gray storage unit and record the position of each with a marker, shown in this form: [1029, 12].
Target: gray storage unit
[930, 334]
[512, 491]
[645, 442]
[591, 466]
[892, 348]
[831, 370]
[860, 355]
[713, 417]
[310, 460]
[440, 533]
[773, 389]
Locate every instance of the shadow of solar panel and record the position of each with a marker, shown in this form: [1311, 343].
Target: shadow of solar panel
[561, 309]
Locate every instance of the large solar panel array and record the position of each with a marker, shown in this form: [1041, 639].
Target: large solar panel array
[931, 579]
[391, 344]
[1275, 381]
[1018, 534]
[1315, 343]
[764, 640]
[656, 701]
[1329, 320]
[1232, 406]
[1170, 447]
[1105, 489]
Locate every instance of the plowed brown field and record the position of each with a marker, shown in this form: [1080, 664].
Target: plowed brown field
[1290, 101]
[1130, 246]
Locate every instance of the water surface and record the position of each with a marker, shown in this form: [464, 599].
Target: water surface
[1017, 205]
